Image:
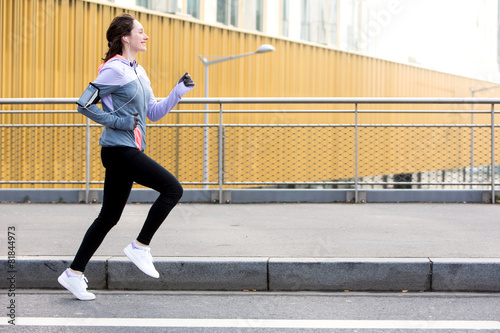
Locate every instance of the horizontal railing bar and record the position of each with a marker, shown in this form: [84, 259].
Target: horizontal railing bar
[258, 183]
[283, 100]
[46, 125]
[427, 183]
[362, 111]
[98, 125]
[75, 111]
[83, 182]
[43, 182]
[424, 125]
[183, 125]
[292, 111]
[259, 125]
[38, 100]
[427, 111]
[339, 100]
[37, 111]
[271, 111]
[353, 183]
[203, 111]
[359, 125]
[290, 125]
[290, 183]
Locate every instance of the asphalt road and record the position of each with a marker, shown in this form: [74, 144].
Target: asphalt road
[57, 311]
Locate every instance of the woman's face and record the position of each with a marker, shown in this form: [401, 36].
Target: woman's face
[137, 39]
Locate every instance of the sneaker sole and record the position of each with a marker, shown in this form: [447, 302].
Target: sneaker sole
[65, 285]
[129, 255]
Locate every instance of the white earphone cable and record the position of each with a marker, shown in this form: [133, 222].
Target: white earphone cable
[136, 90]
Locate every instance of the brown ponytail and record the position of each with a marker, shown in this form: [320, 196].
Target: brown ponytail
[120, 26]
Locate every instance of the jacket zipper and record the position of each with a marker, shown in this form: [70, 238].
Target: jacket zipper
[137, 131]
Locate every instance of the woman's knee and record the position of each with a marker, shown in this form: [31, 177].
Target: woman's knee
[103, 224]
[173, 192]
[178, 191]
[108, 218]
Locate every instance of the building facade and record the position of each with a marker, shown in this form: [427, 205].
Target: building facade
[415, 32]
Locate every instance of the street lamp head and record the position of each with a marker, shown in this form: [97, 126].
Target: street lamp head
[265, 48]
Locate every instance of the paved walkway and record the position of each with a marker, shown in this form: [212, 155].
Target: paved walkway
[330, 233]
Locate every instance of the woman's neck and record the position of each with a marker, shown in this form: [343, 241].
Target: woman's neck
[128, 54]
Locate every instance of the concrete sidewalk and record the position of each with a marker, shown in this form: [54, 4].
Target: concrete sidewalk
[372, 247]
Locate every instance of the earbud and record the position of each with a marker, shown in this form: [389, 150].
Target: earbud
[126, 39]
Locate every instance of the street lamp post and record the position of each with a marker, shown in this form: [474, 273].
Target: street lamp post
[204, 59]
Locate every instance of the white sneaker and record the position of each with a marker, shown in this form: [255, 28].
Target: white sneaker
[142, 259]
[77, 285]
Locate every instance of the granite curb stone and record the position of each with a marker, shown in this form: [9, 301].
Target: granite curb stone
[191, 273]
[263, 273]
[338, 274]
[466, 274]
[43, 271]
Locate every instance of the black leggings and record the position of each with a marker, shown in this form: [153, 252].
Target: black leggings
[124, 166]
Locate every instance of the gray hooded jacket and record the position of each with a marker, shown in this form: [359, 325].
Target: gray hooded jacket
[125, 90]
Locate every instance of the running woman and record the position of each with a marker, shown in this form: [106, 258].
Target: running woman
[127, 99]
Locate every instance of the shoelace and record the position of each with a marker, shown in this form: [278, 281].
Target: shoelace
[148, 252]
[84, 280]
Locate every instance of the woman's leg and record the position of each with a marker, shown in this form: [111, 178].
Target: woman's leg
[123, 166]
[117, 185]
[151, 174]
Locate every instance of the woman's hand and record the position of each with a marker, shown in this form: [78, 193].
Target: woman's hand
[136, 119]
[186, 79]
[127, 123]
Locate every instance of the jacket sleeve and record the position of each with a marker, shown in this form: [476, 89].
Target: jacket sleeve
[109, 120]
[157, 110]
[104, 81]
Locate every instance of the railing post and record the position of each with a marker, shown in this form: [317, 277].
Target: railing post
[87, 161]
[205, 134]
[221, 153]
[493, 153]
[356, 159]
[472, 147]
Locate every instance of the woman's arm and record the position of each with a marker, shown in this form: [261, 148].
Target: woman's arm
[109, 120]
[107, 81]
[157, 110]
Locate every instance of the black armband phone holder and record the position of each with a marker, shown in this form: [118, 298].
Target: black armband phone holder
[90, 96]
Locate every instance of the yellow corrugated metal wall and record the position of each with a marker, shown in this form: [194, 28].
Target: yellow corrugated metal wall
[52, 48]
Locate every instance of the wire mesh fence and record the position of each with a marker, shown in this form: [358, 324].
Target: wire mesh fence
[180, 149]
[288, 156]
[42, 155]
[374, 151]
[425, 157]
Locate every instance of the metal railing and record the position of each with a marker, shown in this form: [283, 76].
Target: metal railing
[355, 148]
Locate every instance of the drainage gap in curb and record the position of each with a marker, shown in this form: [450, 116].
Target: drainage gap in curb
[431, 274]
[268, 284]
[106, 274]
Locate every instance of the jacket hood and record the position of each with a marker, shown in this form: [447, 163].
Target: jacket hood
[120, 58]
